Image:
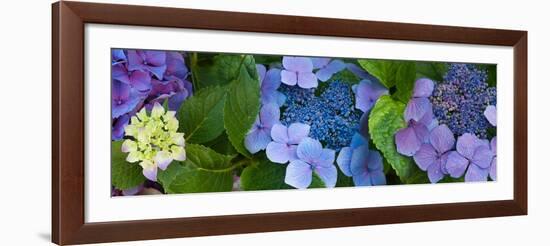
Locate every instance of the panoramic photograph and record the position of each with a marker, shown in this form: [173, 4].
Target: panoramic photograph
[195, 122]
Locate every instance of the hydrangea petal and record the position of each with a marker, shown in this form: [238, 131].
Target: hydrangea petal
[442, 139]
[289, 77]
[494, 145]
[307, 80]
[417, 108]
[423, 88]
[407, 141]
[156, 58]
[320, 62]
[272, 80]
[377, 178]
[279, 133]
[491, 114]
[269, 115]
[359, 160]
[150, 173]
[297, 64]
[278, 152]
[456, 164]
[257, 140]
[366, 94]
[434, 172]
[309, 150]
[374, 161]
[333, 67]
[476, 174]
[425, 156]
[297, 132]
[358, 140]
[344, 160]
[141, 81]
[362, 179]
[261, 72]
[328, 174]
[483, 156]
[298, 174]
[467, 144]
[163, 159]
[326, 158]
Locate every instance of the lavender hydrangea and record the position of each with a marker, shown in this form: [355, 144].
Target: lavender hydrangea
[285, 142]
[270, 80]
[298, 71]
[331, 115]
[327, 67]
[433, 155]
[460, 100]
[473, 156]
[312, 158]
[364, 165]
[260, 135]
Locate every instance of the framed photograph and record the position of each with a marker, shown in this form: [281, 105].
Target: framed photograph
[175, 122]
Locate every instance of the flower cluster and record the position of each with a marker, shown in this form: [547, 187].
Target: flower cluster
[364, 165]
[142, 77]
[154, 141]
[300, 70]
[332, 116]
[431, 142]
[460, 100]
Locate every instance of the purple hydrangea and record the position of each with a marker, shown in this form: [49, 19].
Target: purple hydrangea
[419, 117]
[312, 158]
[473, 156]
[366, 94]
[270, 81]
[493, 168]
[147, 60]
[285, 142]
[327, 67]
[432, 156]
[461, 99]
[260, 135]
[298, 70]
[124, 98]
[364, 165]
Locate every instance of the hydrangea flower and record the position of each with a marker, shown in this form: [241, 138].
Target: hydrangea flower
[473, 156]
[419, 116]
[327, 67]
[312, 157]
[331, 115]
[140, 80]
[147, 60]
[366, 94]
[285, 142]
[124, 98]
[298, 70]
[461, 99]
[260, 135]
[432, 156]
[154, 142]
[364, 165]
[270, 81]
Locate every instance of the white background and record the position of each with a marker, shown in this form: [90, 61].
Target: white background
[26, 137]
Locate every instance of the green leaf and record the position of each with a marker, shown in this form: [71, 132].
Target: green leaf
[383, 70]
[124, 175]
[345, 76]
[208, 70]
[431, 70]
[201, 116]
[241, 109]
[385, 120]
[204, 170]
[267, 59]
[343, 180]
[266, 175]
[404, 80]
[222, 145]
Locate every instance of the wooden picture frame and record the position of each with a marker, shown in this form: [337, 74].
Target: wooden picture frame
[68, 122]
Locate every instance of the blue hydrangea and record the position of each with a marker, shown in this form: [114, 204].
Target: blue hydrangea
[331, 115]
[460, 100]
